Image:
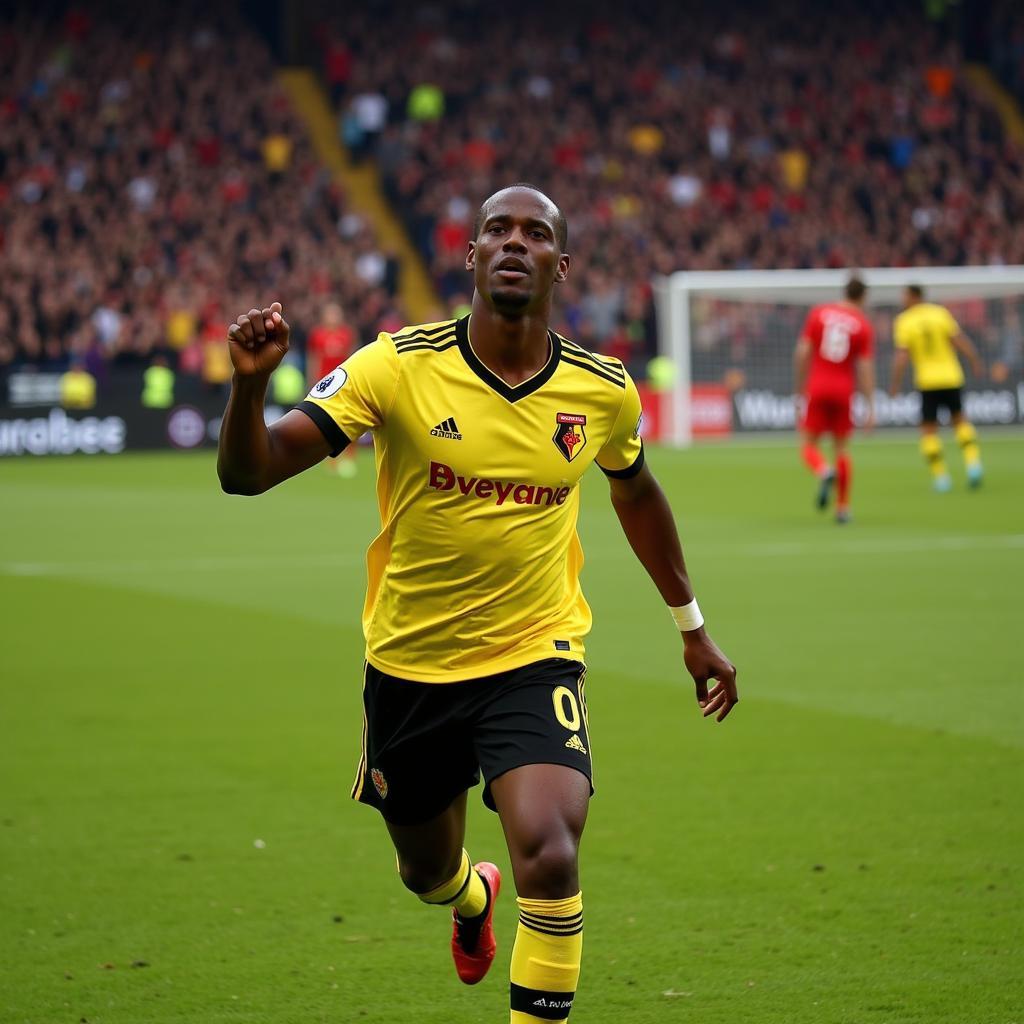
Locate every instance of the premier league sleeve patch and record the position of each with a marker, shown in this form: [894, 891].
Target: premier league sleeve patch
[329, 385]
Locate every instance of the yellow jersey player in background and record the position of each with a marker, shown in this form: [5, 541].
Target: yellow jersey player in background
[928, 336]
[483, 428]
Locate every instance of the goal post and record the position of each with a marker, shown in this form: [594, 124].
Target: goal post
[730, 336]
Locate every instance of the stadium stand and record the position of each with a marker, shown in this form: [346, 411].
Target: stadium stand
[684, 137]
[149, 192]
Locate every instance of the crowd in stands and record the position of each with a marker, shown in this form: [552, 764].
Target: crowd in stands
[149, 189]
[154, 181]
[681, 136]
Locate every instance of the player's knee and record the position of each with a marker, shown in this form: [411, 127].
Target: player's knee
[420, 875]
[547, 866]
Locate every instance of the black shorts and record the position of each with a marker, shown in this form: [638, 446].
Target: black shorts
[939, 398]
[425, 743]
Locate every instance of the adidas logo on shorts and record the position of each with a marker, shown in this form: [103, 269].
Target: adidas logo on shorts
[574, 743]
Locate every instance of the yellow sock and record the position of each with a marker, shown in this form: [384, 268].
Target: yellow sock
[968, 441]
[931, 449]
[464, 891]
[546, 959]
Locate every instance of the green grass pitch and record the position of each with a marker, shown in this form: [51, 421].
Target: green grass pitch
[180, 722]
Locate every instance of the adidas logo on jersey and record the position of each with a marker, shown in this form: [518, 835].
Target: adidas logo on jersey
[448, 429]
[575, 743]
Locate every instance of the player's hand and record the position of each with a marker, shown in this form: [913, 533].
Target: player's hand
[258, 341]
[705, 661]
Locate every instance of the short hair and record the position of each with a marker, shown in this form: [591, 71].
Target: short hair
[855, 289]
[916, 290]
[561, 226]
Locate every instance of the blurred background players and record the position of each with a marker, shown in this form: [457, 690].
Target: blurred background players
[927, 335]
[330, 343]
[834, 355]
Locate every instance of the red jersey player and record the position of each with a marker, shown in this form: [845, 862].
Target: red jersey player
[835, 354]
[330, 343]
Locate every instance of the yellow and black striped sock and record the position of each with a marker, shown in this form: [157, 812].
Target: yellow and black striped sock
[967, 438]
[546, 959]
[465, 891]
[931, 449]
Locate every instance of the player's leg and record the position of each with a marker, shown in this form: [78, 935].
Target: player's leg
[416, 763]
[844, 477]
[434, 865]
[543, 808]
[812, 456]
[967, 438]
[931, 443]
[534, 748]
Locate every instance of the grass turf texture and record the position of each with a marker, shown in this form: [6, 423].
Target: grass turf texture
[181, 679]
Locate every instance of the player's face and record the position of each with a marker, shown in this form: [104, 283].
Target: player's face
[515, 259]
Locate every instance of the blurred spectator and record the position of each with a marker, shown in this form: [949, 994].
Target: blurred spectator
[330, 343]
[139, 183]
[77, 387]
[158, 385]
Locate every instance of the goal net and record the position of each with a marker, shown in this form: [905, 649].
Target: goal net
[730, 336]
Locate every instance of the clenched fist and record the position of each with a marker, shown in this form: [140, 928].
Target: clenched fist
[258, 341]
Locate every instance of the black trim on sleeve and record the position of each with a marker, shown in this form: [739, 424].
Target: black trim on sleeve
[336, 437]
[629, 471]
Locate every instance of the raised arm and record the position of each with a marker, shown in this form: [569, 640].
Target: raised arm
[646, 519]
[251, 457]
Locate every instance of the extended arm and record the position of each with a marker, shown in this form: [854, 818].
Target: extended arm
[801, 362]
[966, 348]
[251, 457]
[899, 368]
[646, 519]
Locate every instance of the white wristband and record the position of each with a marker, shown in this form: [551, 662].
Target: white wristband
[687, 616]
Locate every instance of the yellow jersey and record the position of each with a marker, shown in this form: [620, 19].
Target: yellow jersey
[927, 331]
[476, 567]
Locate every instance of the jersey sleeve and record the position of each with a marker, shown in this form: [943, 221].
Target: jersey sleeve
[901, 332]
[867, 340]
[356, 396]
[949, 322]
[623, 453]
[811, 324]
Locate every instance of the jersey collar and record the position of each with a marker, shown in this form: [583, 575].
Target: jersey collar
[492, 380]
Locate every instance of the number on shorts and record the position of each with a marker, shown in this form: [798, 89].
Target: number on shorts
[835, 341]
[560, 697]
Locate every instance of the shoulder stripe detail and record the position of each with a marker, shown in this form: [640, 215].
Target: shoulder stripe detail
[594, 368]
[423, 339]
[415, 346]
[408, 333]
[608, 363]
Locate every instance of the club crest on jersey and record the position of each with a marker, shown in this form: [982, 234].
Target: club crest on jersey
[570, 434]
[329, 385]
[379, 782]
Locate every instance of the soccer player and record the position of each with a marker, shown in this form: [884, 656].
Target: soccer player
[834, 355]
[329, 344]
[927, 335]
[474, 618]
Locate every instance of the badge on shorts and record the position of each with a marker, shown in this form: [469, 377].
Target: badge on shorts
[329, 385]
[570, 436]
[379, 782]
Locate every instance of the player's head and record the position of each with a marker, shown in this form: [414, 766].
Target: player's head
[517, 254]
[855, 291]
[912, 294]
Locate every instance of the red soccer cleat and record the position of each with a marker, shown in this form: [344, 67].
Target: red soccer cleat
[473, 944]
